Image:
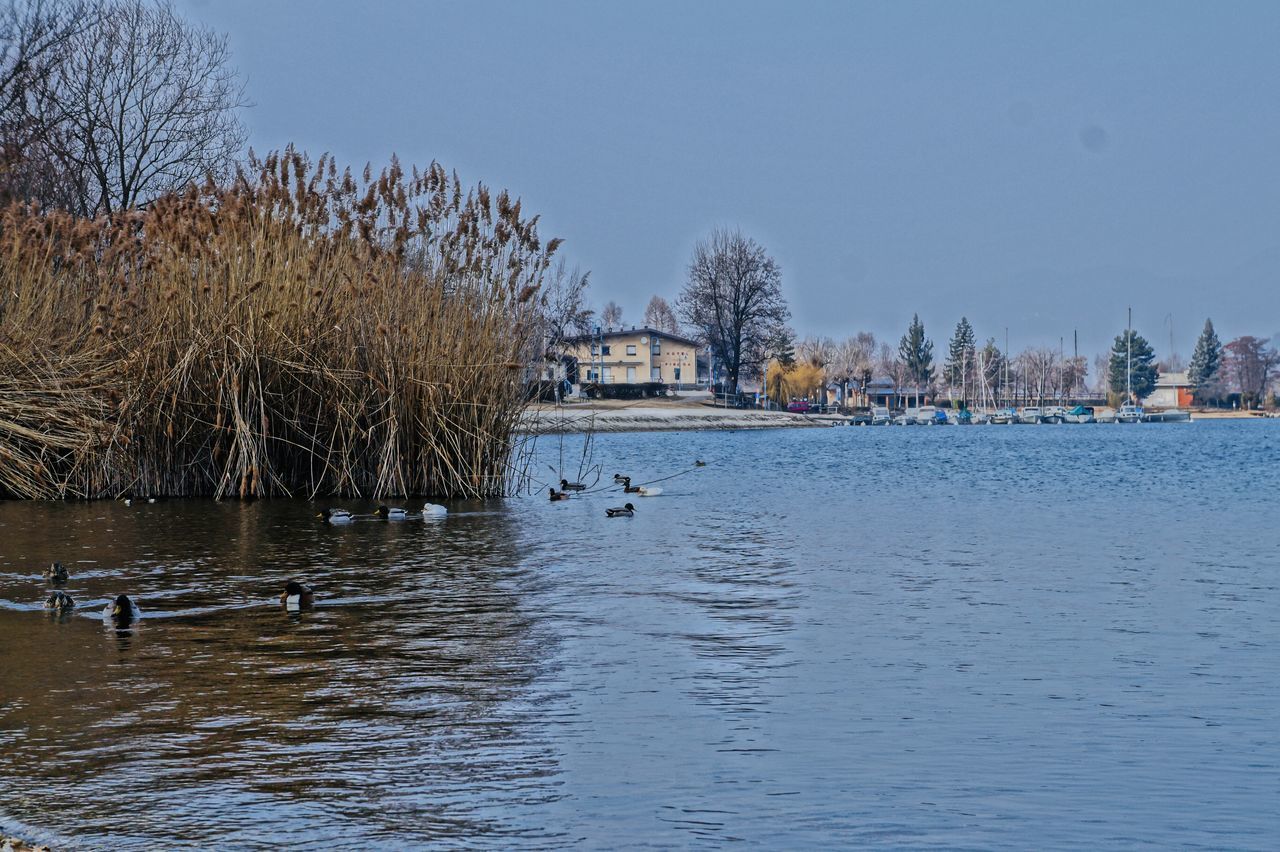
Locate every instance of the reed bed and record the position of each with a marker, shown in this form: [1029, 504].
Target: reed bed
[301, 331]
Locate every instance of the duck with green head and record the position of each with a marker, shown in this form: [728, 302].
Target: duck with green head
[121, 612]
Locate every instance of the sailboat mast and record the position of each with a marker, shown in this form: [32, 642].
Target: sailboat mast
[1128, 360]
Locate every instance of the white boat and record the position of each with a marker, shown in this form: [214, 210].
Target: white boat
[926, 415]
[880, 416]
[1003, 417]
[1053, 414]
[1079, 414]
[1029, 414]
[1129, 413]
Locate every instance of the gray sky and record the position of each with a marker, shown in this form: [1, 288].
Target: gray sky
[1039, 166]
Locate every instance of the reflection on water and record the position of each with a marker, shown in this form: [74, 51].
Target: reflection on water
[955, 637]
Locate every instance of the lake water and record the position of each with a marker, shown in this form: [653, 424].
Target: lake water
[1017, 637]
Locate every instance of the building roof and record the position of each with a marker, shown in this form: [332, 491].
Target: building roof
[627, 332]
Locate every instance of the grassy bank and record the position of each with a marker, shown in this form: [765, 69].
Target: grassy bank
[301, 331]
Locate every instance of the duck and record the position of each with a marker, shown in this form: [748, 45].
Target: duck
[699, 463]
[558, 495]
[297, 595]
[59, 601]
[335, 516]
[389, 514]
[434, 510]
[628, 488]
[619, 478]
[620, 512]
[55, 573]
[646, 491]
[566, 485]
[122, 611]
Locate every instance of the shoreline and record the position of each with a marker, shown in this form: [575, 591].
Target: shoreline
[653, 416]
[665, 415]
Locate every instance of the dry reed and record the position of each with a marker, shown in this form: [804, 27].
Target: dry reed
[299, 332]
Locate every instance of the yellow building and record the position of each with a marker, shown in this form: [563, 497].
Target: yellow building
[636, 356]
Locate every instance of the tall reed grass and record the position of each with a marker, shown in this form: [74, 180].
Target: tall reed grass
[301, 331]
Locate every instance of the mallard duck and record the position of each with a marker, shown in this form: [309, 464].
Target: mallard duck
[628, 488]
[619, 478]
[699, 463]
[55, 573]
[558, 495]
[297, 595]
[59, 601]
[434, 510]
[647, 491]
[621, 512]
[566, 485]
[122, 611]
[388, 514]
[335, 516]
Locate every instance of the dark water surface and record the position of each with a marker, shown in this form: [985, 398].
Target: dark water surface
[1019, 637]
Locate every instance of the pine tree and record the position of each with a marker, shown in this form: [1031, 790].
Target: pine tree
[1202, 373]
[1142, 369]
[960, 355]
[916, 353]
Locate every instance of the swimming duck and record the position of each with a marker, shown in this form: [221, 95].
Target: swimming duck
[622, 512]
[122, 611]
[558, 495]
[619, 478]
[297, 595]
[628, 488]
[335, 516]
[388, 514]
[59, 601]
[566, 485]
[55, 573]
[434, 510]
[699, 463]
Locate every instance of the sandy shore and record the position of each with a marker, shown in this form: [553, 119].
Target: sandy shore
[651, 416]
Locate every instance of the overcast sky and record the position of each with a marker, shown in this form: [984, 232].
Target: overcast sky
[1036, 166]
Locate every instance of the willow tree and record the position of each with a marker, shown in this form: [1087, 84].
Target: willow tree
[733, 296]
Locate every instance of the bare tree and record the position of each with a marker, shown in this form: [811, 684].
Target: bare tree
[34, 38]
[1249, 362]
[853, 363]
[140, 104]
[611, 316]
[660, 315]
[564, 308]
[734, 298]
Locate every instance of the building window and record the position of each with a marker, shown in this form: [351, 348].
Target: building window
[631, 349]
[606, 349]
[591, 375]
[631, 375]
[677, 374]
[655, 374]
[608, 375]
[656, 346]
[595, 349]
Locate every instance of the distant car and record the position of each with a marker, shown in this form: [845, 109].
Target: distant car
[798, 406]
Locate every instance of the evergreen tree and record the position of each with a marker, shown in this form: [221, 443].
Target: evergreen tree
[1142, 369]
[960, 355]
[1205, 361]
[916, 354]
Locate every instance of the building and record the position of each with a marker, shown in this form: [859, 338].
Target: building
[1172, 391]
[636, 356]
